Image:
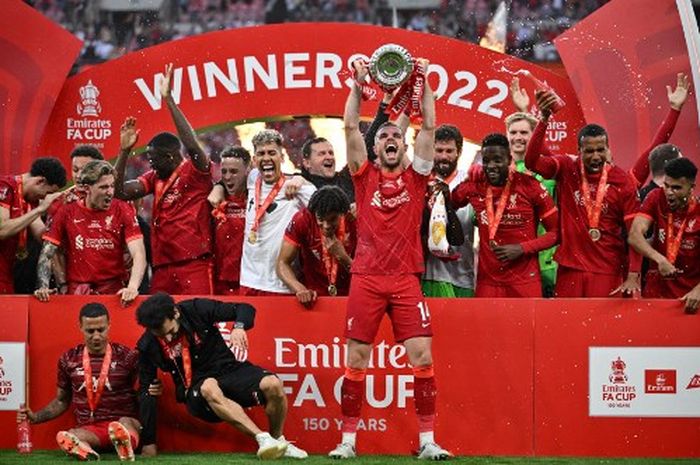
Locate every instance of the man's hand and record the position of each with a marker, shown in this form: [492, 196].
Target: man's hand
[239, 339]
[128, 134]
[128, 294]
[24, 413]
[307, 297]
[292, 186]
[692, 300]
[165, 82]
[678, 96]
[155, 389]
[42, 294]
[508, 252]
[46, 202]
[336, 248]
[631, 287]
[361, 71]
[546, 100]
[666, 269]
[150, 450]
[519, 96]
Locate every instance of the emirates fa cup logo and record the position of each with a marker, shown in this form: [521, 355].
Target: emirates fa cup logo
[89, 106]
[617, 375]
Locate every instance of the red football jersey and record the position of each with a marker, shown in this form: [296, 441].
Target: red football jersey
[303, 231]
[527, 203]
[94, 240]
[9, 199]
[118, 397]
[181, 224]
[74, 195]
[228, 238]
[655, 207]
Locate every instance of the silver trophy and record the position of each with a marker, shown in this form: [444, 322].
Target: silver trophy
[390, 66]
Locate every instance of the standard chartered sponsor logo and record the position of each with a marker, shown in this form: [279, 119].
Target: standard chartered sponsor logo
[96, 243]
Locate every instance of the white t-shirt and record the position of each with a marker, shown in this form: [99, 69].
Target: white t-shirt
[460, 272]
[260, 258]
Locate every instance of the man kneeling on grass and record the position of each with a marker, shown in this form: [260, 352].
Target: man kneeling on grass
[182, 339]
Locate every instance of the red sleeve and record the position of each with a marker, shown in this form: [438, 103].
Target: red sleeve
[462, 194]
[544, 165]
[548, 214]
[297, 229]
[7, 195]
[63, 377]
[148, 181]
[630, 208]
[57, 227]
[640, 170]
[650, 204]
[199, 178]
[132, 230]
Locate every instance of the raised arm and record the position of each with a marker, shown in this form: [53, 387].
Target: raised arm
[356, 150]
[424, 147]
[519, 97]
[379, 118]
[535, 159]
[123, 189]
[676, 99]
[187, 135]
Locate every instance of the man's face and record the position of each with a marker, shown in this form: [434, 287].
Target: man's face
[389, 146]
[519, 134]
[233, 174]
[169, 329]
[677, 191]
[268, 159]
[162, 162]
[77, 164]
[594, 152]
[329, 223]
[496, 161]
[96, 332]
[37, 188]
[321, 161]
[101, 193]
[446, 156]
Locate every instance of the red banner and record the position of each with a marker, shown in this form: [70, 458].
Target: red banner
[620, 60]
[35, 57]
[512, 376]
[285, 70]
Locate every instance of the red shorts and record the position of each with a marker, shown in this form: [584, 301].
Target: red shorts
[577, 283]
[658, 287]
[193, 277]
[100, 430]
[251, 292]
[494, 290]
[227, 287]
[400, 296]
[103, 287]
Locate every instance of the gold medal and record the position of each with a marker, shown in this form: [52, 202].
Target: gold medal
[22, 253]
[332, 290]
[252, 237]
[595, 234]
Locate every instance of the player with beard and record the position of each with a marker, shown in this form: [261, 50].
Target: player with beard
[270, 209]
[18, 216]
[509, 205]
[675, 216]
[318, 167]
[94, 234]
[451, 277]
[180, 209]
[597, 203]
[390, 202]
[324, 236]
[229, 216]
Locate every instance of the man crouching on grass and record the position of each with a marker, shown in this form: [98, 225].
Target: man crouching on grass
[182, 339]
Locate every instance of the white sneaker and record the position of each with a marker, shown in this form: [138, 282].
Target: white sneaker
[432, 451]
[343, 451]
[293, 452]
[270, 448]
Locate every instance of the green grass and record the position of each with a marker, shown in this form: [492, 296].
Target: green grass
[55, 457]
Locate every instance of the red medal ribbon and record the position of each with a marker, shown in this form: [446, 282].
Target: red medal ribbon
[409, 96]
[162, 187]
[168, 349]
[494, 219]
[261, 209]
[330, 263]
[22, 245]
[673, 240]
[93, 397]
[593, 210]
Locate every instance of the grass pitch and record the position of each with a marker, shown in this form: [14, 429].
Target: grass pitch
[9, 457]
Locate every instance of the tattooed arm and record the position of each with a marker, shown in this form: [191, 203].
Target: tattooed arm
[54, 409]
[43, 272]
